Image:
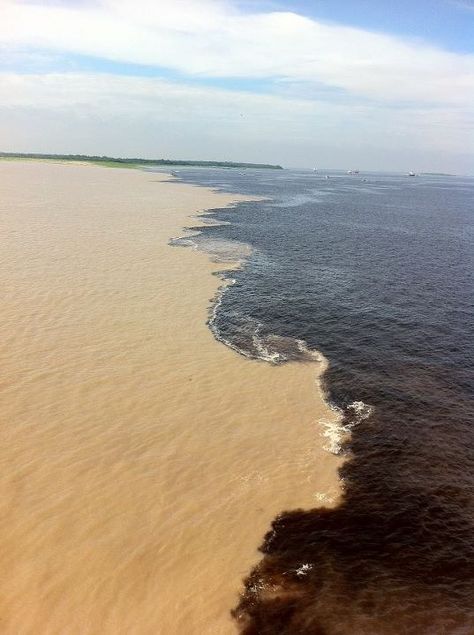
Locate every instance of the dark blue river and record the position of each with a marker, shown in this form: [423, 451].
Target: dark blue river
[376, 272]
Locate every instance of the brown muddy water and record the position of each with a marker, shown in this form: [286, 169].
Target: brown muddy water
[142, 461]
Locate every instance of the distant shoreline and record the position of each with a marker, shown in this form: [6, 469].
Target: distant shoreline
[134, 162]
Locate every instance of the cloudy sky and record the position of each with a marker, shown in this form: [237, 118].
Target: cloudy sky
[332, 83]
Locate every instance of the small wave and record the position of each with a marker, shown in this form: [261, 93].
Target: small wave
[250, 341]
[338, 431]
[225, 251]
[220, 251]
[263, 351]
[213, 313]
[359, 411]
[183, 241]
[322, 497]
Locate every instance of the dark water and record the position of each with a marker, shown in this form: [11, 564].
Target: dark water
[376, 272]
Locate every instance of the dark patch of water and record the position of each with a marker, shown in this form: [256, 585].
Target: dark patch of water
[377, 274]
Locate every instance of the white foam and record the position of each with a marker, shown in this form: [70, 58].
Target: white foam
[336, 432]
[213, 315]
[322, 497]
[361, 410]
[304, 569]
[263, 352]
[186, 240]
[257, 586]
[303, 348]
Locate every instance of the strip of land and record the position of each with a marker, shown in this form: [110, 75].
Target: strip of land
[142, 461]
[134, 162]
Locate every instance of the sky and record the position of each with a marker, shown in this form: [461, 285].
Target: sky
[364, 84]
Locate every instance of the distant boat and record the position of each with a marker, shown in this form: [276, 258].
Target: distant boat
[411, 174]
[352, 171]
[315, 169]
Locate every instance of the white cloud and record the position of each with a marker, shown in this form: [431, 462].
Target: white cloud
[121, 115]
[336, 94]
[212, 38]
[467, 5]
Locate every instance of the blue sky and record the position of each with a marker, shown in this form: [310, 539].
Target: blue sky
[328, 82]
[447, 23]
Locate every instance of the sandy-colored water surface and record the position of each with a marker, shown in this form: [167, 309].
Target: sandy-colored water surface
[141, 460]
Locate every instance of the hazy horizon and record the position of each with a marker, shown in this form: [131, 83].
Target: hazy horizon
[321, 168]
[301, 84]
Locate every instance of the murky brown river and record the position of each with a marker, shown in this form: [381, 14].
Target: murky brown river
[142, 461]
